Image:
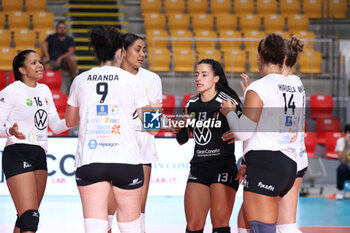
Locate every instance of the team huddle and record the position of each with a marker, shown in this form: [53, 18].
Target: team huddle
[113, 166]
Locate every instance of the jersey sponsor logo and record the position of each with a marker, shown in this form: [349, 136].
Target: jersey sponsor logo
[29, 102]
[2, 100]
[202, 136]
[46, 101]
[289, 121]
[108, 144]
[114, 110]
[92, 144]
[92, 120]
[100, 129]
[151, 119]
[266, 186]
[207, 153]
[26, 165]
[40, 118]
[102, 110]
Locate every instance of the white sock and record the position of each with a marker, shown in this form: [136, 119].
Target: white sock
[110, 221]
[287, 228]
[143, 225]
[243, 230]
[130, 227]
[93, 225]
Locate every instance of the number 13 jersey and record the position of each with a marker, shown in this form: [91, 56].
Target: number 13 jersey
[279, 123]
[107, 97]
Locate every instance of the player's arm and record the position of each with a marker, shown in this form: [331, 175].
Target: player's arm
[72, 116]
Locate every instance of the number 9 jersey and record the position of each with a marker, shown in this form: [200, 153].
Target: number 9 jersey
[279, 124]
[107, 97]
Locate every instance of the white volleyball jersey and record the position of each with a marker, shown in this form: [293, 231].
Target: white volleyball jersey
[29, 107]
[153, 87]
[107, 97]
[302, 161]
[277, 128]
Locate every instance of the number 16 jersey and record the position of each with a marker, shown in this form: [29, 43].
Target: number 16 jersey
[107, 97]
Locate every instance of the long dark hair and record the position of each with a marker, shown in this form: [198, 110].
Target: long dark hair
[105, 40]
[129, 39]
[222, 84]
[18, 61]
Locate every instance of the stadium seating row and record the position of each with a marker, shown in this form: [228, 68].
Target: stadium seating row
[247, 22]
[26, 5]
[30, 20]
[310, 8]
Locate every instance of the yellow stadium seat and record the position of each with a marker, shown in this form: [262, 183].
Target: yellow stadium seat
[273, 22]
[308, 39]
[337, 9]
[209, 53]
[178, 21]
[225, 22]
[234, 61]
[266, 6]
[297, 23]
[207, 40]
[182, 39]
[159, 43]
[310, 62]
[184, 60]
[36, 5]
[243, 7]
[290, 7]
[253, 66]
[154, 21]
[151, 6]
[12, 5]
[43, 33]
[2, 20]
[285, 35]
[197, 6]
[24, 38]
[221, 6]
[43, 19]
[18, 19]
[249, 22]
[159, 60]
[6, 57]
[174, 6]
[312, 8]
[253, 39]
[5, 38]
[225, 36]
[202, 22]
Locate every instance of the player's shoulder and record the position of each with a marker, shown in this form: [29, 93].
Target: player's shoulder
[192, 100]
[147, 73]
[223, 96]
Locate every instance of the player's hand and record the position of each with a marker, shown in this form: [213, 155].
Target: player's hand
[229, 136]
[14, 132]
[241, 173]
[246, 83]
[58, 62]
[227, 106]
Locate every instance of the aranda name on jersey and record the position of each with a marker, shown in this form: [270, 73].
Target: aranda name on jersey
[105, 77]
[208, 123]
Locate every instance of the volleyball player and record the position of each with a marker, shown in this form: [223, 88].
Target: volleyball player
[286, 222]
[27, 109]
[269, 127]
[135, 48]
[104, 99]
[211, 184]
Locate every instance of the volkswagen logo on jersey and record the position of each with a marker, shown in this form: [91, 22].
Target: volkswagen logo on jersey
[202, 135]
[151, 120]
[40, 118]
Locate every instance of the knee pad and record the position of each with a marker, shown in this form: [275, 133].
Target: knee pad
[260, 227]
[29, 221]
[287, 228]
[143, 224]
[93, 225]
[199, 231]
[110, 222]
[222, 230]
[243, 230]
[130, 227]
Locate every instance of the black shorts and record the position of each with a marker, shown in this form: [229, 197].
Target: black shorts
[301, 173]
[270, 173]
[20, 158]
[124, 176]
[217, 171]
